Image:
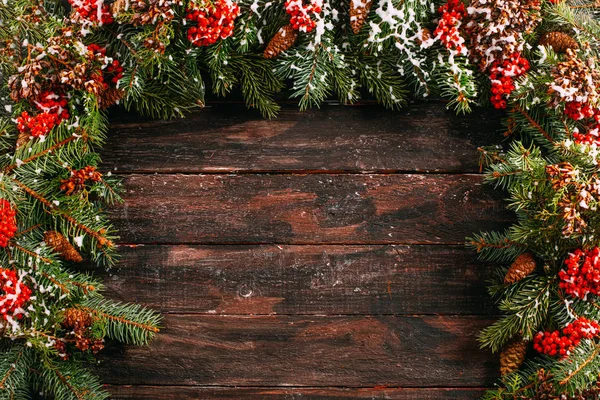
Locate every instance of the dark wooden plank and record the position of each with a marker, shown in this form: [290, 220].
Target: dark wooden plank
[349, 351]
[307, 209]
[223, 393]
[282, 279]
[424, 137]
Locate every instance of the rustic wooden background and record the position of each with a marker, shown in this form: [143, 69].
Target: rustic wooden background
[316, 256]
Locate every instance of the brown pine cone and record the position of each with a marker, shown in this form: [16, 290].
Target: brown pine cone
[282, 41]
[425, 36]
[559, 41]
[512, 356]
[520, 268]
[76, 319]
[61, 348]
[109, 97]
[22, 139]
[118, 6]
[359, 10]
[97, 345]
[24, 85]
[61, 245]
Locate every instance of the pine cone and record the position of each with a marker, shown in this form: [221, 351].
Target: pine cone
[559, 41]
[520, 268]
[22, 139]
[359, 10]
[283, 40]
[61, 245]
[109, 97]
[118, 6]
[76, 319]
[425, 36]
[512, 356]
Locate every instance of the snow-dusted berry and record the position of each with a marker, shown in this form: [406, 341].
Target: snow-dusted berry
[211, 22]
[302, 13]
[582, 274]
[448, 29]
[14, 294]
[95, 11]
[502, 74]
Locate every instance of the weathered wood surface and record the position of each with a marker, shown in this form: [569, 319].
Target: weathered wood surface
[307, 209]
[317, 256]
[355, 139]
[343, 351]
[282, 279]
[219, 393]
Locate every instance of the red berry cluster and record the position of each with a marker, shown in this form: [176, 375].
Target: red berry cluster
[582, 275]
[300, 13]
[502, 73]
[14, 294]
[53, 109]
[93, 10]
[38, 125]
[448, 27]
[53, 103]
[559, 343]
[591, 136]
[113, 71]
[212, 22]
[579, 111]
[8, 222]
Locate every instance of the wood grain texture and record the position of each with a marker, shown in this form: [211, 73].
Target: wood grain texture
[348, 351]
[228, 138]
[316, 256]
[307, 209]
[224, 393]
[282, 279]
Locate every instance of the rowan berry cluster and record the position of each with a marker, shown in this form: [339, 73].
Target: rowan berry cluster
[560, 343]
[211, 22]
[502, 74]
[93, 11]
[590, 117]
[301, 14]
[582, 274]
[448, 29]
[53, 109]
[113, 71]
[14, 295]
[8, 222]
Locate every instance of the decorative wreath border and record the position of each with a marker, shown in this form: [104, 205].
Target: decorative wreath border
[63, 63]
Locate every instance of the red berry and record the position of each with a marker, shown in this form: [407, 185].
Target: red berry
[93, 10]
[448, 29]
[502, 73]
[301, 13]
[14, 294]
[8, 222]
[582, 274]
[561, 342]
[212, 23]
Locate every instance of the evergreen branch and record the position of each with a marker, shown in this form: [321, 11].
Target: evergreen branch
[43, 153]
[581, 366]
[533, 123]
[31, 253]
[127, 323]
[52, 210]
